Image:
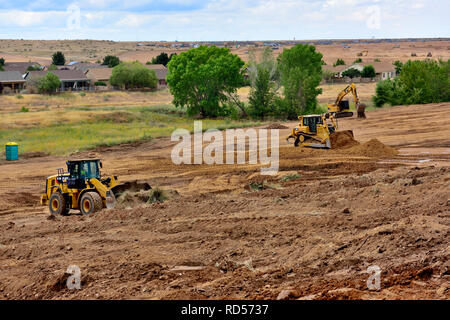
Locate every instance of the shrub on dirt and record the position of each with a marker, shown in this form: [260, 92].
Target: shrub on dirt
[289, 177]
[157, 195]
[339, 62]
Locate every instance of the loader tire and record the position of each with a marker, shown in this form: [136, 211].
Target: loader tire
[57, 204]
[90, 202]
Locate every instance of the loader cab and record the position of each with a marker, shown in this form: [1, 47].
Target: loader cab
[312, 122]
[81, 170]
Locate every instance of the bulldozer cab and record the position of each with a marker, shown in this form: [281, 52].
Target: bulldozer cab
[312, 122]
[80, 170]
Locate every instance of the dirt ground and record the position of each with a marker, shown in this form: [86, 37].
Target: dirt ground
[384, 201]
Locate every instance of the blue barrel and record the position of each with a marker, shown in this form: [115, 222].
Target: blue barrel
[12, 151]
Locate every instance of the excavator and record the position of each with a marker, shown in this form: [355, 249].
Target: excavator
[341, 108]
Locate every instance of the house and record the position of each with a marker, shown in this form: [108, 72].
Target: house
[12, 80]
[99, 75]
[335, 70]
[83, 66]
[383, 70]
[161, 73]
[71, 80]
[21, 67]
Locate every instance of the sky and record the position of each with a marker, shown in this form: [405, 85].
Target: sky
[223, 20]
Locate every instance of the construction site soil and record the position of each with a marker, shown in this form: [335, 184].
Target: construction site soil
[313, 229]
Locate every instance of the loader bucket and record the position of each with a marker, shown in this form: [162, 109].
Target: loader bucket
[133, 186]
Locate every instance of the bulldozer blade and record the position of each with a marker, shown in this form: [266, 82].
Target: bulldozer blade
[133, 186]
[326, 145]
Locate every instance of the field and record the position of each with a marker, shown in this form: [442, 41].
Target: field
[87, 50]
[226, 232]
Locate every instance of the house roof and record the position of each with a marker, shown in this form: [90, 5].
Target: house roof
[19, 66]
[11, 76]
[335, 69]
[160, 70]
[379, 66]
[99, 73]
[63, 75]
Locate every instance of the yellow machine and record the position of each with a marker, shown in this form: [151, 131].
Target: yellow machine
[81, 188]
[341, 108]
[314, 131]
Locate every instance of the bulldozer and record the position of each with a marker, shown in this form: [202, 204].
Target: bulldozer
[82, 188]
[314, 131]
[341, 108]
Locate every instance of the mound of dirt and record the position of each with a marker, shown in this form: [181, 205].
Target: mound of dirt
[373, 148]
[276, 126]
[342, 139]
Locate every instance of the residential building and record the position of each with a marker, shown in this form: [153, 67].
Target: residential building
[12, 80]
[71, 80]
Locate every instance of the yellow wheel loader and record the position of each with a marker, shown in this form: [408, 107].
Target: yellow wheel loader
[314, 131]
[341, 108]
[82, 188]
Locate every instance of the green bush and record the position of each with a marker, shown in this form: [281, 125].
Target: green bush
[19, 96]
[368, 72]
[82, 94]
[351, 73]
[49, 83]
[100, 84]
[24, 109]
[359, 60]
[131, 75]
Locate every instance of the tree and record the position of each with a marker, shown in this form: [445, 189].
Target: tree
[2, 62]
[368, 72]
[52, 67]
[351, 73]
[49, 83]
[264, 81]
[359, 60]
[398, 66]
[301, 74]
[59, 59]
[131, 75]
[111, 61]
[204, 79]
[339, 62]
